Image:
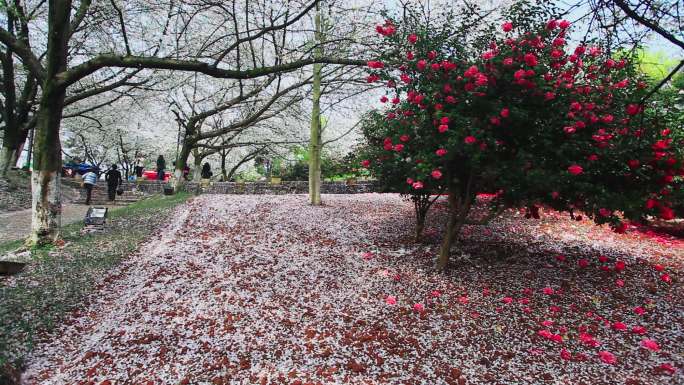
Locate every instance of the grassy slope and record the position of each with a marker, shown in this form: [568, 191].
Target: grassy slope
[35, 300]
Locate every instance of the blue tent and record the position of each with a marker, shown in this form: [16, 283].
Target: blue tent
[82, 168]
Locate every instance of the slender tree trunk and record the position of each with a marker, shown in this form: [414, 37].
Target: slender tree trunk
[421, 206]
[453, 228]
[315, 142]
[45, 183]
[11, 130]
[7, 155]
[179, 180]
[197, 168]
[224, 172]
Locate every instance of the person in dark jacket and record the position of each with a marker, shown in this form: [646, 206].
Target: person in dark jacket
[113, 178]
[161, 166]
[206, 171]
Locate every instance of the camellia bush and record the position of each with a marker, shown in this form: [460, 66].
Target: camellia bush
[520, 111]
[391, 162]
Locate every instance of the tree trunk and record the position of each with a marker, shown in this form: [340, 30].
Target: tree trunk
[315, 143]
[197, 169]
[179, 180]
[420, 227]
[46, 217]
[45, 183]
[224, 172]
[7, 155]
[453, 227]
[11, 130]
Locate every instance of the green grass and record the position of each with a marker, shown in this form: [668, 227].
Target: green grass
[59, 278]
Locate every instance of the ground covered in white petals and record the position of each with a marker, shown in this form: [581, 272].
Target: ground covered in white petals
[269, 290]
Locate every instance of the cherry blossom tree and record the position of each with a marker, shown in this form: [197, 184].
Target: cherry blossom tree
[211, 51]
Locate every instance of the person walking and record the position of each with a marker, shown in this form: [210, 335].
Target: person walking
[206, 171]
[113, 178]
[89, 182]
[161, 165]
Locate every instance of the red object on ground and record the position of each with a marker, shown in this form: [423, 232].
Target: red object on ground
[152, 175]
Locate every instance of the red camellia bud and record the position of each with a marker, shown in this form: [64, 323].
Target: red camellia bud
[436, 174]
[365, 163]
[507, 26]
[412, 38]
[470, 140]
[633, 164]
[505, 112]
[441, 152]
[575, 169]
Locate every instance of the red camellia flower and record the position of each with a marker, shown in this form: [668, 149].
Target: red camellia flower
[666, 213]
[607, 357]
[505, 112]
[650, 344]
[365, 163]
[417, 185]
[575, 169]
[507, 26]
[659, 267]
[404, 138]
[412, 38]
[619, 265]
[639, 330]
[399, 147]
[583, 263]
[564, 354]
[443, 128]
[665, 367]
[383, 99]
[441, 152]
[666, 278]
[421, 64]
[376, 64]
[436, 174]
[530, 59]
[470, 140]
[619, 326]
[564, 24]
[633, 109]
[633, 164]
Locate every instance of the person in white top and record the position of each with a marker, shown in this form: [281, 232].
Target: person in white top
[89, 181]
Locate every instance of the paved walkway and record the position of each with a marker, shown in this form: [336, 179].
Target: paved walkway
[16, 224]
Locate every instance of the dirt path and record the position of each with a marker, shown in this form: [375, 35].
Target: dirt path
[16, 224]
[269, 290]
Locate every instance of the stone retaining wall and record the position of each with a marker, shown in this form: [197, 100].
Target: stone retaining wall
[289, 187]
[286, 187]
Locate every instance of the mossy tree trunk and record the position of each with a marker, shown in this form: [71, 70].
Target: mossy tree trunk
[181, 162]
[45, 183]
[11, 129]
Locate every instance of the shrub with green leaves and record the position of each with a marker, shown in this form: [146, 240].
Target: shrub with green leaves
[519, 110]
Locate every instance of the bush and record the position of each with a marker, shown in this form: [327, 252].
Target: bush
[517, 112]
